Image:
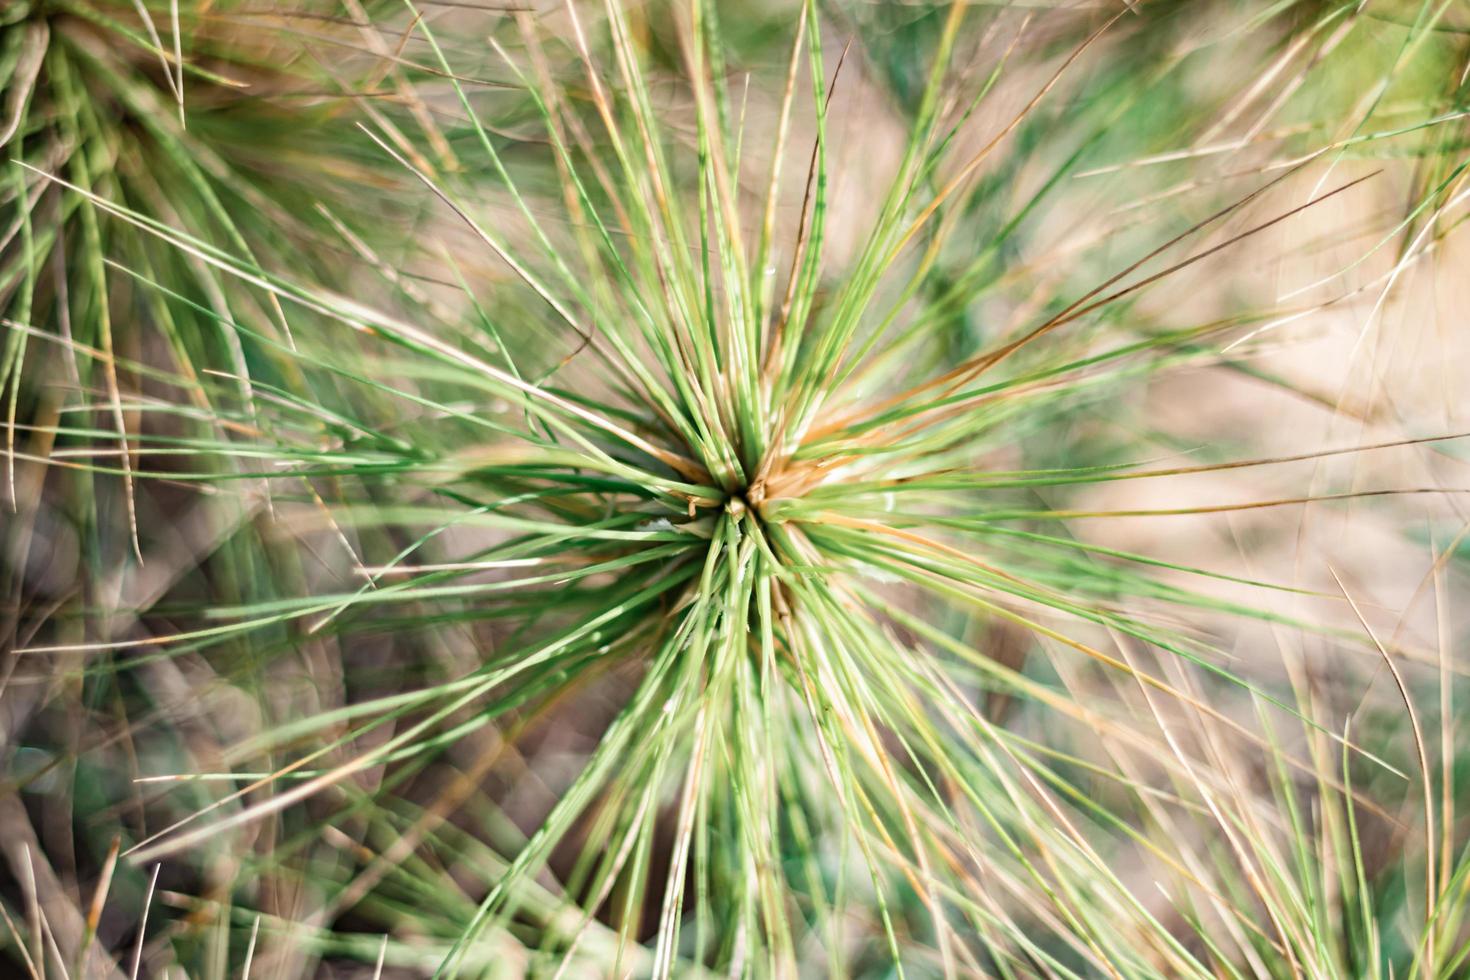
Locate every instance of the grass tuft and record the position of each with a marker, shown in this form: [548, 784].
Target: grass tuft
[687, 557]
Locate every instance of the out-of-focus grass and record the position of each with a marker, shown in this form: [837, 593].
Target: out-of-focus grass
[698, 567]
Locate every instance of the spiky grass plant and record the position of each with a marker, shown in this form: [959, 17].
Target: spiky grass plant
[785, 527]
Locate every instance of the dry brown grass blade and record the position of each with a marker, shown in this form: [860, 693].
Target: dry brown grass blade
[23, 82]
[20, 945]
[959, 179]
[99, 901]
[1088, 302]
[1426, 779]
[1254, 877]
[1082, 307]
[143, 923]
[1254, 504]
[803, 233]
[55, 922]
